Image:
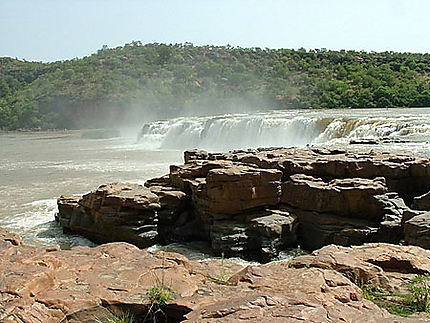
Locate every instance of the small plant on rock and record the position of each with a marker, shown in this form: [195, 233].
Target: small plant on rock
[420, 293]
[160, 294]
[223, 278]
[405, 304]
[121, 318]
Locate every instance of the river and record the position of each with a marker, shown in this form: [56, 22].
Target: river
[36, 168]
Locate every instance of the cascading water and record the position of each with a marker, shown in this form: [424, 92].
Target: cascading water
[287, 128]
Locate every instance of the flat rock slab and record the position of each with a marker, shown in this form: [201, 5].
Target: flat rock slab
[85, 284]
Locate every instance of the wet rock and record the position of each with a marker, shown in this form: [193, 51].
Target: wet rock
[417, 230]
[271, 232]
[114, 212]
[173, 213]
[258, 235]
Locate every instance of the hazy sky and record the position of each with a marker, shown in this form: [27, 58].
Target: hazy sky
[50, 30]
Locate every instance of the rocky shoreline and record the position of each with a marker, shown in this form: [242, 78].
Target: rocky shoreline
[255, 203]
[94, 284]
[364, 217]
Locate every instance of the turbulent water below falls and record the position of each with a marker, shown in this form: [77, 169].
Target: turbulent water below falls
[36, 168]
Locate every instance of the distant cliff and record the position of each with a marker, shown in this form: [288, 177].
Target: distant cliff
[138, 82]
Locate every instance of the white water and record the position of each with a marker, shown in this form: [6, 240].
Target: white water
[290, 128]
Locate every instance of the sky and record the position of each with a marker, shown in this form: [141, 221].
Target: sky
[50, 30]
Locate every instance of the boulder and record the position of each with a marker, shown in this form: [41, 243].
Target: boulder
[181, 175]
[258, 235]
[173, 213]
[271, 232]
[237, 189]
[114, 212]
[417, 230]
[319, 229]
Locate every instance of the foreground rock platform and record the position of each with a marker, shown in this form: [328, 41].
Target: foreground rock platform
[90, 284]
[255, 203]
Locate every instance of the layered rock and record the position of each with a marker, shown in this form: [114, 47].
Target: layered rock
[90, 284]
[114, 212]
[255, 203]
[405, 173]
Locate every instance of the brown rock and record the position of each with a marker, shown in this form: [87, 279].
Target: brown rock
[180, 176]
[87, 284]
[276, 293]
[385, 266]
[319, 229]
[115, 212]
[237, 189]
[404, 172]
[351, 197]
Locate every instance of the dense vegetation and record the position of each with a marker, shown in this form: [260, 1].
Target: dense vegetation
[156, 80]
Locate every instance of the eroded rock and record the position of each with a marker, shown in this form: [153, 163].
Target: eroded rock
[231, 199]
[88, 284]
[114, 212]
[385, 266]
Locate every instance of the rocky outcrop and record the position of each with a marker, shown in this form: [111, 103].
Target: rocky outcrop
[115, 212]
[90, 284]
[404, 173]
[255, 203]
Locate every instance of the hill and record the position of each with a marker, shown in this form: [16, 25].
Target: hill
[138, 82]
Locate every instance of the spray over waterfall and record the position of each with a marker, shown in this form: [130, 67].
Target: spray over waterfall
[285, 128]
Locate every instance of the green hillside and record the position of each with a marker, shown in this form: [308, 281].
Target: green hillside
[156, 81]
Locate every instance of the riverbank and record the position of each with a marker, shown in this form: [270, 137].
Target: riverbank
[353, 209]
[97, 284]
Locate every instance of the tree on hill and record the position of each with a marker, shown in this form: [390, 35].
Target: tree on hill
[157, 80]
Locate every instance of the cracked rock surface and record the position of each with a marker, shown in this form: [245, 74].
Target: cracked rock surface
[88, 284]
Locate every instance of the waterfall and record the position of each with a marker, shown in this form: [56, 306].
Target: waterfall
[286, 128]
